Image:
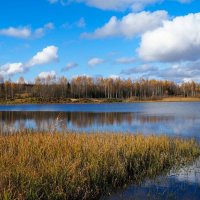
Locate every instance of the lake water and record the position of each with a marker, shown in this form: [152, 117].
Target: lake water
[183, 184]
[173, 119]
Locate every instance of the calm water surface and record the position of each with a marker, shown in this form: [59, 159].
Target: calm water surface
[173, 119]
[179, 119]
[183, 184]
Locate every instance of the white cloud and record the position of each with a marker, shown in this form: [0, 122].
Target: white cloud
[21, 32]
[47, 55]
[176, 40]
[69, 66]
[26, 32]
[118, 5]
[95, 61]
[110, 4]
[113, 76]
[11, 69]
[130, 25]
[41, 31]
[181, 72]
[81, 75]
[125, 60]
[44, 75]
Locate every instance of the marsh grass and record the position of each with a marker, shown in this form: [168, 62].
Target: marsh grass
[84, 166]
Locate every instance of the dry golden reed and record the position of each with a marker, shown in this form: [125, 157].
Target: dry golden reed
[83, 166]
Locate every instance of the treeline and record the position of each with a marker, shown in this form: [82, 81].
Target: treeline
[87, 87]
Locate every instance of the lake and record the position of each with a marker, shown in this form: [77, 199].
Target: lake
[183, 184]
[173, 119]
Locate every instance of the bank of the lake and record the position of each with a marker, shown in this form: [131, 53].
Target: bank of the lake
[84, 166]
[29, 100]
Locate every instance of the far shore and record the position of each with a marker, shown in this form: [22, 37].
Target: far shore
[96, 101]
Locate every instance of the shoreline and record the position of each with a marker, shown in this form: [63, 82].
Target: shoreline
[35, 101]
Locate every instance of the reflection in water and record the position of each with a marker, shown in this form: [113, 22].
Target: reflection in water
[184, 185]
[179, 119]
[133, 122]
[13, 121]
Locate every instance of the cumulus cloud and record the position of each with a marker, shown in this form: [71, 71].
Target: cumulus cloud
[176, 40]
[45, 75]
[114, 76]
[47, 55]
[130, 25]
[42, 31]
[11, 69]
[95, 61]
[118, 5]
[180, 72]
[125, 60]
[26, 32]
[70, 66]
[20, 32]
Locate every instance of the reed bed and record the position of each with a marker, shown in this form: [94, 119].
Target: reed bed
[84, 166]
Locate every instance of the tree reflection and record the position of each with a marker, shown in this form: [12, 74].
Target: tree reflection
[60, 121]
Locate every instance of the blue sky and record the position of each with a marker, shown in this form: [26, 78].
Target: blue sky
[110, 38]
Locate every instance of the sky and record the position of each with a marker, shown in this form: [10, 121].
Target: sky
[110, 38]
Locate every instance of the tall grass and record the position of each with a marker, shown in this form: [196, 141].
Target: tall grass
[83, 166]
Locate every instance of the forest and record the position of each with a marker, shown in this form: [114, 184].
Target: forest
[87, 87]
